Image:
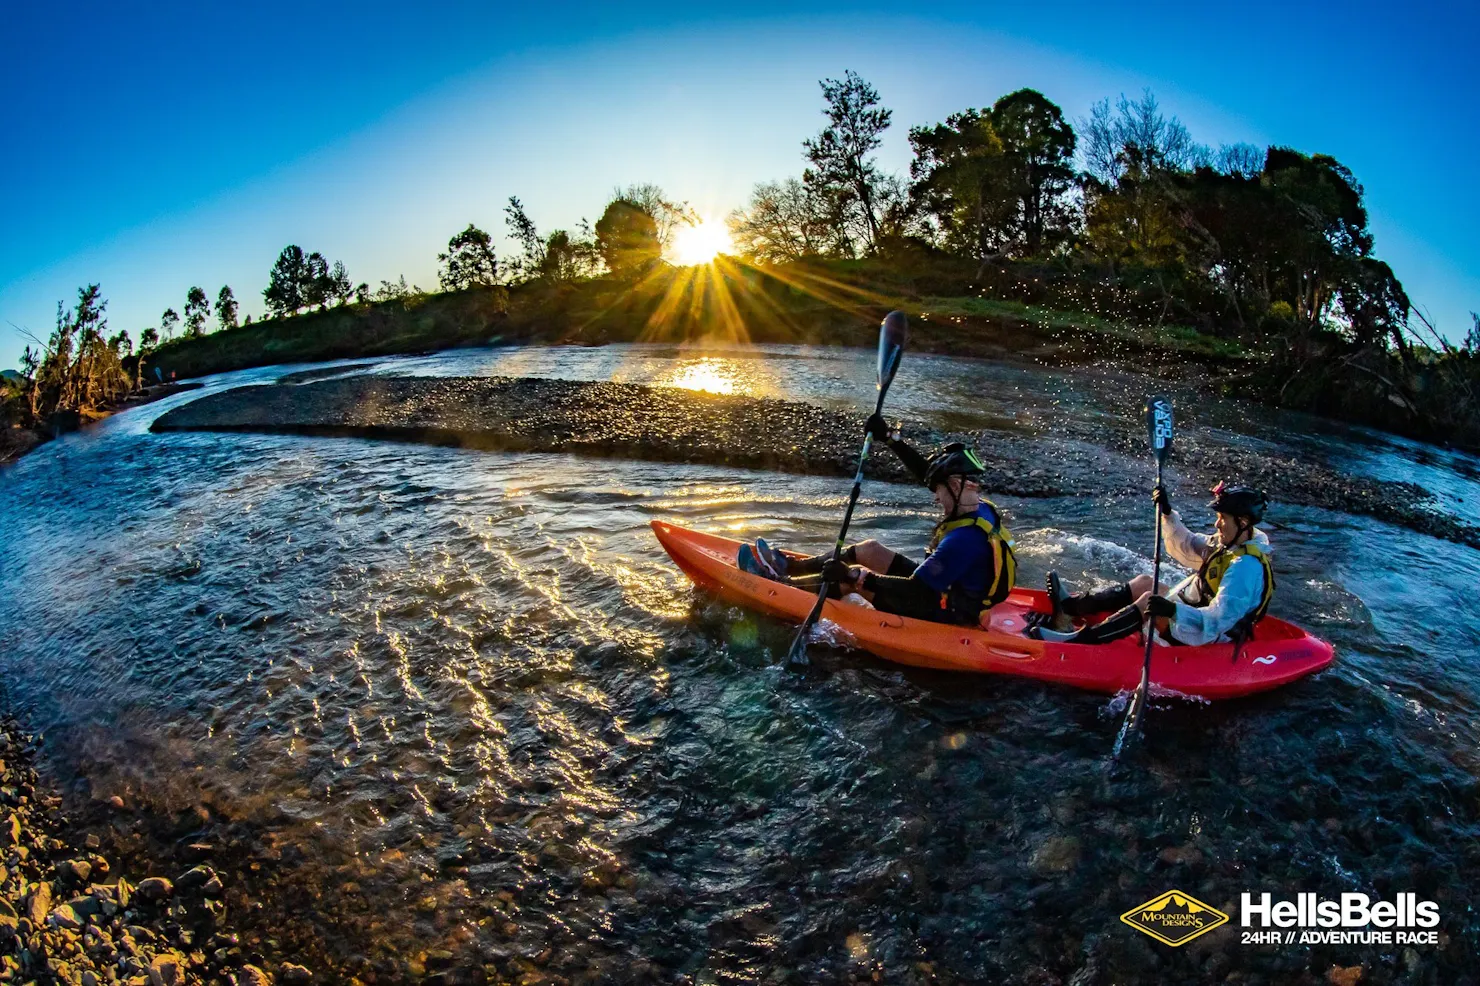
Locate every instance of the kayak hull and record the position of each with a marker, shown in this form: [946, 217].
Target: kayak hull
[1279, 654]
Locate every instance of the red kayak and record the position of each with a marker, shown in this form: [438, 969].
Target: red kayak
[1279, 653]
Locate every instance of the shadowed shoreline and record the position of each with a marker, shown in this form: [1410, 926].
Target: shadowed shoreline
[663, 424]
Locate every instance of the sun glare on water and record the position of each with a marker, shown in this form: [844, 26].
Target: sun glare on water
[698, 244]
[707, 375]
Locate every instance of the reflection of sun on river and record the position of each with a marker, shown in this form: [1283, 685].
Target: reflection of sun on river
[714, 376]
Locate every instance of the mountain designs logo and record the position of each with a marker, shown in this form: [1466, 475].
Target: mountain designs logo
[1174, 918]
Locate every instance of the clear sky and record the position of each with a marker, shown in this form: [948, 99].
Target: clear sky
[151, 149]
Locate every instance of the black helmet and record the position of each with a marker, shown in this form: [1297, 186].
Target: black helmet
[1239, 501]
[953, 460]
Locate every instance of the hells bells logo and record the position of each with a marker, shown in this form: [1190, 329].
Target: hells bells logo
[1174, 918]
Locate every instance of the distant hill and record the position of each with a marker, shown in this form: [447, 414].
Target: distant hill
[12, 376]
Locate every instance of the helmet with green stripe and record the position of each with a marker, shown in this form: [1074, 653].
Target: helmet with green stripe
[953, 460]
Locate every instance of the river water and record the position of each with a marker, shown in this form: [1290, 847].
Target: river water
[461, 702]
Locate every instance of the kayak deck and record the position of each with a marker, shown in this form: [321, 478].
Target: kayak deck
[1279, 654]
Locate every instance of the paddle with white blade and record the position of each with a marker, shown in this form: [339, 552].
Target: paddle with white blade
[1159, 431]
[892, 334]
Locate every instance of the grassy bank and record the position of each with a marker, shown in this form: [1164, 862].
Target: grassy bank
[820, 303]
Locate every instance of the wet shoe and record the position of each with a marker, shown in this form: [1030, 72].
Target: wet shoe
[749, 562]
[1061, 622]
[1053, 636]
[771, 558]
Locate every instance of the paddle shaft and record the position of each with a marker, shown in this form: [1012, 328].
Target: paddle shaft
[1138, 701]
[798, 652]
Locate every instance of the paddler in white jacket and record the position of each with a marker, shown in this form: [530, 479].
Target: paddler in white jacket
[1227, 594]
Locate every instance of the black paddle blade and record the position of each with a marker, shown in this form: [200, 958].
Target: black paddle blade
[1159, 426]
[892, 334]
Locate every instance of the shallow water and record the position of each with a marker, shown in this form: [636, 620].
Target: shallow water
[489, 715]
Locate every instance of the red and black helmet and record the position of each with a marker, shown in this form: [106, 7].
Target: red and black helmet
[1239, 501]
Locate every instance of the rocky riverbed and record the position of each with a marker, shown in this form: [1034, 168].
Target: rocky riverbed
[69, 914]
[674, 425]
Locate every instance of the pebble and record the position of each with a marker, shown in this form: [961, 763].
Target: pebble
[250, 975]
[294, 975]
[166, 969]
[192, 878]
[155, 888]
[66, 917]
[83, 941]
[1057, 854]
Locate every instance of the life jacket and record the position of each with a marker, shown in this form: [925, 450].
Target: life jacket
[1004, 563]
[1210, 576]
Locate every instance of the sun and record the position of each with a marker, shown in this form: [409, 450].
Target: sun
[699, 243]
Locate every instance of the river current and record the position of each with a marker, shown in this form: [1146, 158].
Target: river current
[461, 702]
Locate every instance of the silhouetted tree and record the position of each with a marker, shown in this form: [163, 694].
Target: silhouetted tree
[570, 258]
[557, 257]
[168, 322]
[784, 221]
[1241, 160]
[197, 310]
[627, 239]
[842, 171]
[469, 261]
[961, 179]
[1136, 138]
[667, 214]
[318, 284]
[339, 288]
[1038, 170]
[285, 283]
[226, 308]
[79, 370]
[531, 244]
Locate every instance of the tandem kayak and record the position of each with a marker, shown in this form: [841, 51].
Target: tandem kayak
[1279, 653]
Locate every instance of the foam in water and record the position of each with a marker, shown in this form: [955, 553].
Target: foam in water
[1093, 554]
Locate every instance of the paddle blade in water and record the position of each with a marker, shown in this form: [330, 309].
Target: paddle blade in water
[892, 334]
[1159, 426]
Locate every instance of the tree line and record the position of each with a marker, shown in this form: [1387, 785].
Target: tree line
[1125, 215]
[1121, 214]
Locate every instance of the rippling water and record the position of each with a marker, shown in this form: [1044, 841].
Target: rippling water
[470, 702]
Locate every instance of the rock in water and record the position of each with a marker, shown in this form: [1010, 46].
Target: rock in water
[294, 975]
[1057, 854]
[167, 969]
[198, 876]
[155, 888]
[65, 917]
[40, 905]
[250, 975]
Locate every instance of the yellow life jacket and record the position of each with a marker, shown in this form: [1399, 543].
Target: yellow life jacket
[1210, 576]
[1004, 561]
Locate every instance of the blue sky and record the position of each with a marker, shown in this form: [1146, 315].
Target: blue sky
[150, 150]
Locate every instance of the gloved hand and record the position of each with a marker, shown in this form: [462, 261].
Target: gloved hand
[1161, 499]
[878, 428]
[840, 572]
[1161, 606]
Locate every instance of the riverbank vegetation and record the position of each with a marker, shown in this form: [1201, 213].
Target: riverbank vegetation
[1015, 230]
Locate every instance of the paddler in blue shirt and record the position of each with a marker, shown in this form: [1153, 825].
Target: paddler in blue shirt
[969, 565]
[1227, 594]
